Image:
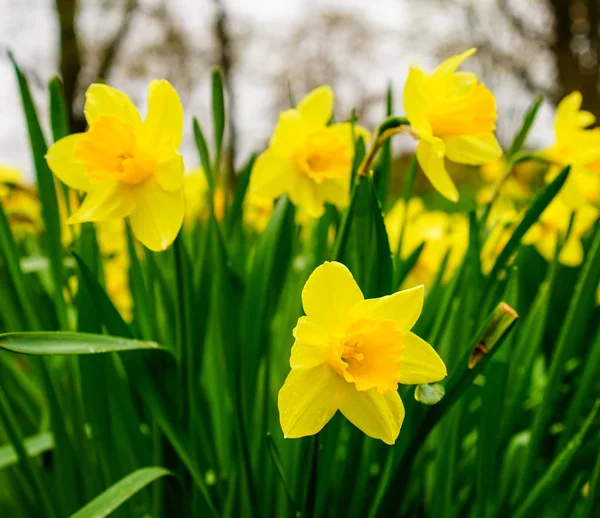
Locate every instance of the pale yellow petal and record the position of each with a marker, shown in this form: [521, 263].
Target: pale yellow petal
[312, 345]
[451, 64]
[63, 163]
[158, 215]
[317, 106]
[271, 175]
[308, 400]
[337, 192]
[420, 363]
[107, 199]
[416, 102]
[473, 149]
[403, 308]
[290, 134]
[349, 133]
[169, 173]
[329, 296]
[430, 155]
[546, 245]
[571, 254]
[103, 100]
[307, 195]
[378, 415]
[163, 128]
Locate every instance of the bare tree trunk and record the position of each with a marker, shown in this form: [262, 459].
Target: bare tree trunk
[571, 75]
[70, 58]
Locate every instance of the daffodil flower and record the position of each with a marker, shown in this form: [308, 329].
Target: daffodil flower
[306, 158]
[128, 167]
[350, 354]
[579, 147]
[454, 117]
[553, 225]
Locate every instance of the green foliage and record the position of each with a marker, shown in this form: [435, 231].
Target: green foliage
[188, 385]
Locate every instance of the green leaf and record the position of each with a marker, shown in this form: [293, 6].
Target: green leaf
[531, 216]
[236, 212]
[68, 343]
[48, 198]
[34, 446]
[36, 482]
[202, 148]
[551, 476]
[59, 118]
[572, 331]
[363, 245]
[117, 494]
[218, 109]
[528, 121]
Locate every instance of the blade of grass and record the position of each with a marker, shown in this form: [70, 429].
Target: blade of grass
[67, 343]
[218, 111]
[552, 475]
[34, 446]
[119, 493]
[38, 486]
[47, 193]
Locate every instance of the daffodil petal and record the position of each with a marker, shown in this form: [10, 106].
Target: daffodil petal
[329, 295]
[107, 199]
[103, 100]
[158, 215]
[420, 363]
[473, 149]
[378, 415]
[307, 194]
[169, 174]
[349, 133]
[63, 163]
[337, 192]
[430, 155]
[311, 347]
[270, 176]
[317, 106]
[308, 400]
[546, 245]
[571, 254]
[416, 102]
[403, 308]
[162, 130]
[451, 64]
[290, 133]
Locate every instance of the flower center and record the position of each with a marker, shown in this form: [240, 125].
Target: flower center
[369, 355]
[325, 155]
[469, 113]
[109, 151]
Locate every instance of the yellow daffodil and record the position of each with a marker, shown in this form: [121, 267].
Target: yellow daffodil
[257, 212]
[501, 223]
[306, 158]
[350, 354]
[579, 147]
[454, 117]
[128, 167]
[195, 192]
[20, 203]
[116, 280]
[553, 225]
[439, 231]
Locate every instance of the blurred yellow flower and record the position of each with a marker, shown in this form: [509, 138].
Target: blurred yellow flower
[116, 280]
[553, 225]
[578, 147]
[257, 212]
[195, 193]
[501, 222]
[439, 231]
[453, 116]
[350, 354]
[128, 168]
[517, 186]
[306, 158]
[20, 203]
